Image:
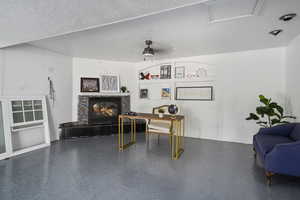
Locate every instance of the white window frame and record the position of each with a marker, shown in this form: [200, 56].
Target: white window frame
[23, 111]
[11, 127]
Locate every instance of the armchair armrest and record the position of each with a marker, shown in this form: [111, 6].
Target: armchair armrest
[284, 159]
[280, 130]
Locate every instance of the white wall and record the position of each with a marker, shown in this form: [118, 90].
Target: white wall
[25, 71]
[83, 67]
[292, 76]
[1, 71]
[240, 78]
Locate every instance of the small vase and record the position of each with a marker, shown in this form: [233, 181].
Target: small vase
[160, 115]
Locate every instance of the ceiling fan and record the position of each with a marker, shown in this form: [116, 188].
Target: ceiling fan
[149, 51]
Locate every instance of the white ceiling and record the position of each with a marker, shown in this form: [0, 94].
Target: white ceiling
[27, 20]
[216, 26]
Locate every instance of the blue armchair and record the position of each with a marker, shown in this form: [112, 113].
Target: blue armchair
[279, 149]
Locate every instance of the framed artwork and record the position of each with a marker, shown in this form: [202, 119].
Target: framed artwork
[143, 93]
[89, 84]
[165, 72]
[200, 93]
[166, 93]
[109, 83]
[180, 72]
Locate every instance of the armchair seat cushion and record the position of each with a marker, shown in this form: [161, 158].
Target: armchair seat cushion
[295, 134]
[265, 143]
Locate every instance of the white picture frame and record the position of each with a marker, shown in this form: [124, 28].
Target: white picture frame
[179, 72]
[109, 83]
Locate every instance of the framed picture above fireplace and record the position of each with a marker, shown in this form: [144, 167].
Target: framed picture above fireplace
[109, 83]
[89, 84]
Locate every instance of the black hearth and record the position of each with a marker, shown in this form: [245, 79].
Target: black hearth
[104, 110]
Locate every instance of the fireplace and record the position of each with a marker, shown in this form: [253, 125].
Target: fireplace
[97, 115]
[103, 110]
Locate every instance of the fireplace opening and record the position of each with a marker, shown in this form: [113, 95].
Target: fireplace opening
[103, 110]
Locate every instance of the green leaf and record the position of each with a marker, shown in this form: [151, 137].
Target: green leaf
[273, 105]
[278, 116]
[252, 116]
[261, 122]
[265, 110]
[291, 117]
[284, 122]
[279, 109]
[275, 121]
[264, 100]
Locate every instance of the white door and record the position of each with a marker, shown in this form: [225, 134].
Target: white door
[4, 148]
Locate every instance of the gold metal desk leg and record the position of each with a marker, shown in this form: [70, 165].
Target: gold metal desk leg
[119, 133]
[172, 140]
[131, 130]
[134, 135]
[122, 133]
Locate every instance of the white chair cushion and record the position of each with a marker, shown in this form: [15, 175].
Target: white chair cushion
[159, 126]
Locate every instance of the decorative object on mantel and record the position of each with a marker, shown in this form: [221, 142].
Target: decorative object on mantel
[144, 76]
[200, 93]
[51, 91]
[165, 72]
[124, 89]
[166, 93]
[269, 114]
[109, 83]
[89, 84]
[143, 93]
[180, 72]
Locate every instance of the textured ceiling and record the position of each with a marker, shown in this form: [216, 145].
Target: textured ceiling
[181, 32]
[28, 20]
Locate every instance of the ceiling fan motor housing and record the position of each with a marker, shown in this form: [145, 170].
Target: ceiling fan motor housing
[148, 51]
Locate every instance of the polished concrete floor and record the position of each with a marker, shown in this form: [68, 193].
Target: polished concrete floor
[93, 169]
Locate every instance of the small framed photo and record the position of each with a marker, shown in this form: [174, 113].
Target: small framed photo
[143, 93]
[109, 83]
[89, 84]
[165, 72]
[180, 72]
[166, 93]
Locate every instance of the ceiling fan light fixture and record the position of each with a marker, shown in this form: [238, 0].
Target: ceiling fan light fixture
[275, 32]
[288, 17]
[148, 51]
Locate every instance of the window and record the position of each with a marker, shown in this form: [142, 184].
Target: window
[25, 111]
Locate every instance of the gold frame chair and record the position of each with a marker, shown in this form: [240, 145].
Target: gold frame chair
[151, 130]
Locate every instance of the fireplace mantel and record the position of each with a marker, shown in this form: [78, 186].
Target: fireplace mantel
[104, 94]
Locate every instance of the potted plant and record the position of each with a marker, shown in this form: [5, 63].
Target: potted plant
[269, 113]
[161, 113]
[123, 89]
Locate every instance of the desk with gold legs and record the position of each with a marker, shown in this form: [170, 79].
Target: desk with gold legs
[177, 134]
